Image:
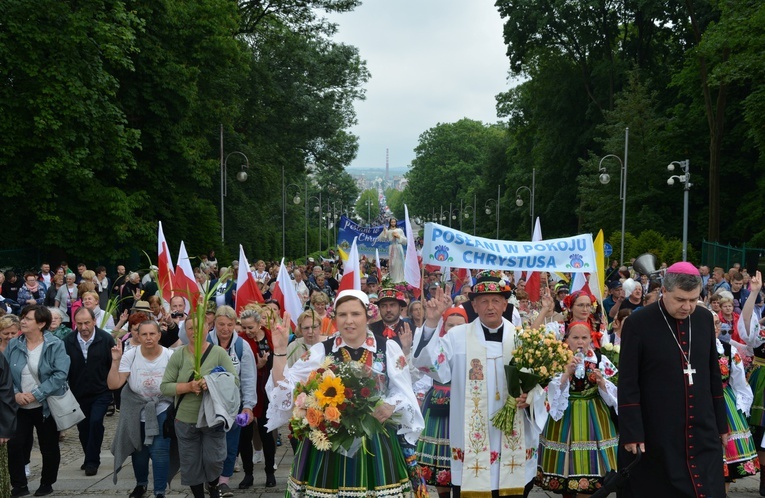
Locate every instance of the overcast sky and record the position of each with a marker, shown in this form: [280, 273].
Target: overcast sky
[432, 61]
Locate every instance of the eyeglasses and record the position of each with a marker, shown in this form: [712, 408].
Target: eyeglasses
[582, 305]
[310, 327]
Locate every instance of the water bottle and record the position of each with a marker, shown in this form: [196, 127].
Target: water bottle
[579, 372]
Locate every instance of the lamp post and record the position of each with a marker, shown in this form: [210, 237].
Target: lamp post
[519, 201]
[317, 209]
[465, 213]
[295, 199]
[605, 178]
[335, 212]
[487, 207]
[241, 176]
[686, 179]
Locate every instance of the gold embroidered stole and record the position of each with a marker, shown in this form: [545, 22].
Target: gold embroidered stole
[478, 454]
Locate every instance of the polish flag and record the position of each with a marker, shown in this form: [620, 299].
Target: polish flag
[460, 277]
[533, 282]
[579, 281]
[247, 290]
[412, 272]
[284, 292]
[165, 275]
[352, 273]
[184, 283]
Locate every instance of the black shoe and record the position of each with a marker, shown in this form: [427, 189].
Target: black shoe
[82, 467]
[44, 490]
[22, 491]
[247, 481]
[160, 496]
[91, 470]
[214, 491]
[762, 486]
[270, 481]
[138, 492]
[110, 410]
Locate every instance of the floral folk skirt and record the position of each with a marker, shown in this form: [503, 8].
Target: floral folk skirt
[378, 470]
[740, 454]
[434, 453]
[576, 451]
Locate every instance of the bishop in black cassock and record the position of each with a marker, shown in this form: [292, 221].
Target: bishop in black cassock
[671, 395]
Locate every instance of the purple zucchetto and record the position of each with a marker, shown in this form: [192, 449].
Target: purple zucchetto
[684, 267]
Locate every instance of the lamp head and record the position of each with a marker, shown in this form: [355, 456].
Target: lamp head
[488, 210]
[604, 178]
[316, 209]
[467, 215]
[296, 199]
[242, 176]
[518, 201]
[670, 167]
[670, 181]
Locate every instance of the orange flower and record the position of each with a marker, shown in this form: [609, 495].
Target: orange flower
[332, 414]
[314, 417]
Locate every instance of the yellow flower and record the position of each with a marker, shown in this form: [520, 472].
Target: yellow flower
[331, 392]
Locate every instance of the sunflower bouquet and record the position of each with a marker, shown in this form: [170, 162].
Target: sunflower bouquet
[538, 356]
[333, 407]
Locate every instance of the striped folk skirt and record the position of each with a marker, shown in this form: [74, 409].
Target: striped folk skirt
[740, 453]
[576, 451]
[757, 382]
[434, 452]
[378, 471]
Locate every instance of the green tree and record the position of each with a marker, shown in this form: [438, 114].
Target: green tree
[367, 206]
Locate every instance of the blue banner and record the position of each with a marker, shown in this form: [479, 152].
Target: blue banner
[367, 237]
[449, 247]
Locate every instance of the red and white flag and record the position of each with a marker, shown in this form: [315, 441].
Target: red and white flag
[533, 282]
[165, 274]
[412, 273]
[185, 284]
[351, 271]
[247, 290]
[286, 295]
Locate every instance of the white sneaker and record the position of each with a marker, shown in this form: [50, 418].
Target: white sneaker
[257, 456]
[27, 470]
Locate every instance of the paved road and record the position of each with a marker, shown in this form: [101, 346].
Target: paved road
[72, 481]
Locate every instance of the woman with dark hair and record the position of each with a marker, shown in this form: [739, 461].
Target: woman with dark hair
[580, 441]
[380, 467]
[39, 367]
[393, 234]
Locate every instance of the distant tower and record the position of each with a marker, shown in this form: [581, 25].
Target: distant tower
[387, 165]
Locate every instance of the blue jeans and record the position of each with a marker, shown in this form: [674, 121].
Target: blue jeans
[91, 430]
[232, 450]
[159, 452]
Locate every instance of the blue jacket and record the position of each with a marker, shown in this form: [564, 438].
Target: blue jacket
[52, 370]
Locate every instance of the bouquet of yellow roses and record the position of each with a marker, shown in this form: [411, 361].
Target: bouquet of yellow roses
[333, 408]
[538, 356]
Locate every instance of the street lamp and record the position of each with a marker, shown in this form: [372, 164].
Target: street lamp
[465, 213]
[369, 203]
[487, 207]
[686, 179]
[605, 178]
[241, 176]
[317, 209]
[519, 201]
[295, 200]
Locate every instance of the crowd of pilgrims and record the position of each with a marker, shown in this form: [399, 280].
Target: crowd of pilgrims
[135, 359]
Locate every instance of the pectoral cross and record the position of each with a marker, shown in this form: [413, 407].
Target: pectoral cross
[689, 372]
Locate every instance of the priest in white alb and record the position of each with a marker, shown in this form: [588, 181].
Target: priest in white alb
[485, 461]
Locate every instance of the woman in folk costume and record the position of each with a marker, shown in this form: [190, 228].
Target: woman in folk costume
[434, 450]
[379, 469]
[754, 336]
[580, 441]
[740, 453]
[397, 239]
[579, 307]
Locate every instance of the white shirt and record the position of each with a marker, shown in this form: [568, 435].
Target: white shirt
[146, 376]
[30, 375]
[84, 345]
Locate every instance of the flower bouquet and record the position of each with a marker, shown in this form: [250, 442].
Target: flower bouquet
[612, 353]
[333, 407]
[537, 357]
